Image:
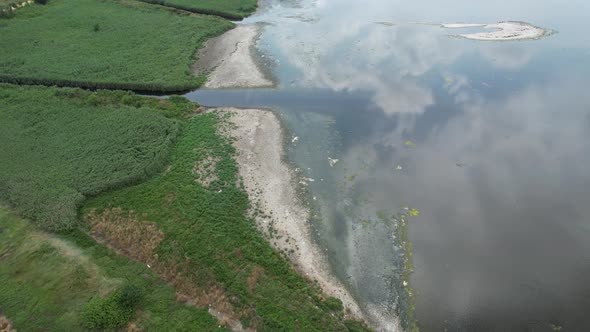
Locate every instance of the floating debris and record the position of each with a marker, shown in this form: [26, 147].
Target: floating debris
[294, 139]
[332, 161]
[399, 167]
[387, 24]
[351, 178]
[413, 212]
[410, 144]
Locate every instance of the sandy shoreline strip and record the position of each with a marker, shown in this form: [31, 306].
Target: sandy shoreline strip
[231, 60]
[270, 184]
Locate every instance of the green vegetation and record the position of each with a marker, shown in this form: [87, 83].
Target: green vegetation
[113, 311]
[407, 308]
[60, 145]
[49, 282]
[184, 224]
[104, 44]
[205, 225]
[230, 9]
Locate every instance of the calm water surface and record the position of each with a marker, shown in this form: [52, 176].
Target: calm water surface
[489, 141]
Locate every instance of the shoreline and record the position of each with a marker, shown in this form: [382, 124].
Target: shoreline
[231, 61]
[271, 185]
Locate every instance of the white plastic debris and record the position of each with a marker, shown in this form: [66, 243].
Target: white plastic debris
[332, 161]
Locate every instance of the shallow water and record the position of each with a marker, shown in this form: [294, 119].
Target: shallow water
[487, 140]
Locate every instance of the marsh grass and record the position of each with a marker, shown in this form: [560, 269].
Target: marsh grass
[59, 146]
[106, 44]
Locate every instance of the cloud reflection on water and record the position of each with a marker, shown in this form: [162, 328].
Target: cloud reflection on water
[499, 173]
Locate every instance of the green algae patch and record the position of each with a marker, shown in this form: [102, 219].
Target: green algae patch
[407, 309]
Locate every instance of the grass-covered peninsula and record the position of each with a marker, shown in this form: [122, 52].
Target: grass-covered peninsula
[104, 44]
[174, 208]
[205, 245]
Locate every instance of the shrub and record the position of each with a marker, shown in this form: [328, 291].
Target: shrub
[130, 296]
[333, 304]
[113, 311]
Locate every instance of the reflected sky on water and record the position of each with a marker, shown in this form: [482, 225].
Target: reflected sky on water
[488, 140]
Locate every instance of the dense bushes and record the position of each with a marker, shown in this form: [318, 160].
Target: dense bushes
[113, 311]
[137, 47]
[139, 87]
[61, 145]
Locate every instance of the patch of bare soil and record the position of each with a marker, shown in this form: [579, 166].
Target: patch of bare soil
[5, 324]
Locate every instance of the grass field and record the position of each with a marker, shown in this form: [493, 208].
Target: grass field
[230, 9]
[46, 281]
[60, 145]
[157, 183]
[104, 44]
[207, 242]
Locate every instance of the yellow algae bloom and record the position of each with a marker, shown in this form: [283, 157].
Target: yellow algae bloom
[410, 144]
